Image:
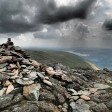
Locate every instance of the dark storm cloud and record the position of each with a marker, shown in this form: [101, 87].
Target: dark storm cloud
[51, 14]
[107, 25]
[18, 16]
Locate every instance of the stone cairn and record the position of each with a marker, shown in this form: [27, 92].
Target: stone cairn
[51, 88]
[18, 70]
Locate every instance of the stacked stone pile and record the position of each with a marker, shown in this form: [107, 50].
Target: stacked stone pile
[29, 86]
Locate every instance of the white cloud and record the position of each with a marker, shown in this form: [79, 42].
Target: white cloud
[66, 2]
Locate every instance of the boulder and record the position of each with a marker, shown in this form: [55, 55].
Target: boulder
[31, 92]
[6, 101]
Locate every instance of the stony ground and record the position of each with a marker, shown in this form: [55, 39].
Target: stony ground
[29, 86]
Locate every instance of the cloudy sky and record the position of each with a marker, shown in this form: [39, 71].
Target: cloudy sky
[56, 23]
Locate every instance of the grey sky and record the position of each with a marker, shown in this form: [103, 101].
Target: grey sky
[48, 23]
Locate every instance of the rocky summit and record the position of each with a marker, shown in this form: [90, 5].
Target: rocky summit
[29, 86]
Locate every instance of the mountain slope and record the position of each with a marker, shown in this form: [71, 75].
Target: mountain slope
[65, 58]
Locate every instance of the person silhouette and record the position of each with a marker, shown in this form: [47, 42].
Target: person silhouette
[9, 42]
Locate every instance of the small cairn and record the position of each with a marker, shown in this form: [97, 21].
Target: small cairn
[17, 70]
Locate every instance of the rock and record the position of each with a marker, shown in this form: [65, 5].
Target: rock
[24, 81]
[28, 107]
[3, 77]
[35, 63]
[23, 66]
[84, 92]
[99, 92]
[3, 65]
[47, 82]
[44, 106]
[10, 89]
[50, 71]
[60, 98]
[95, 98]
[92, 104]
[101, 107]
[47, 96]
[74, 93]
[16, 54]
[93, 90]
[2, 70]
[5, 101]
[12, 66]
[72, 105]
[75, 98]
[26, 62]
[101, 86]
[17, 98]
[7, 83]
[84, 97]
[109, 105]
[32, 75]
[109, 81]
[31, 92]
[79, 107]
[16, 72]
[2, 91]
[64, 110]
[66, 78]
[40, 75]
[4, 59]
[80, 101]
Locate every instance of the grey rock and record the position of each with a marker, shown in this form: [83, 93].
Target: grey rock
[25, 107]
[109, 105]
[92, 104]
[75, 98]
[41, 75]
[80, 101]
[6, 111]
[5, 101]
[3, 65]
[61, 99]
[16, 54]
[101, 107]
[32, 75]
[44, 106]
[101, 86]
[24, 82]
[47, 96]
[3, 77]
[17, 98]
[2, 91]
[26, 62]
[23, 66]
[79, 107]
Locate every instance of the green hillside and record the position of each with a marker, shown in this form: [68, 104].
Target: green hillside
[65, 58]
